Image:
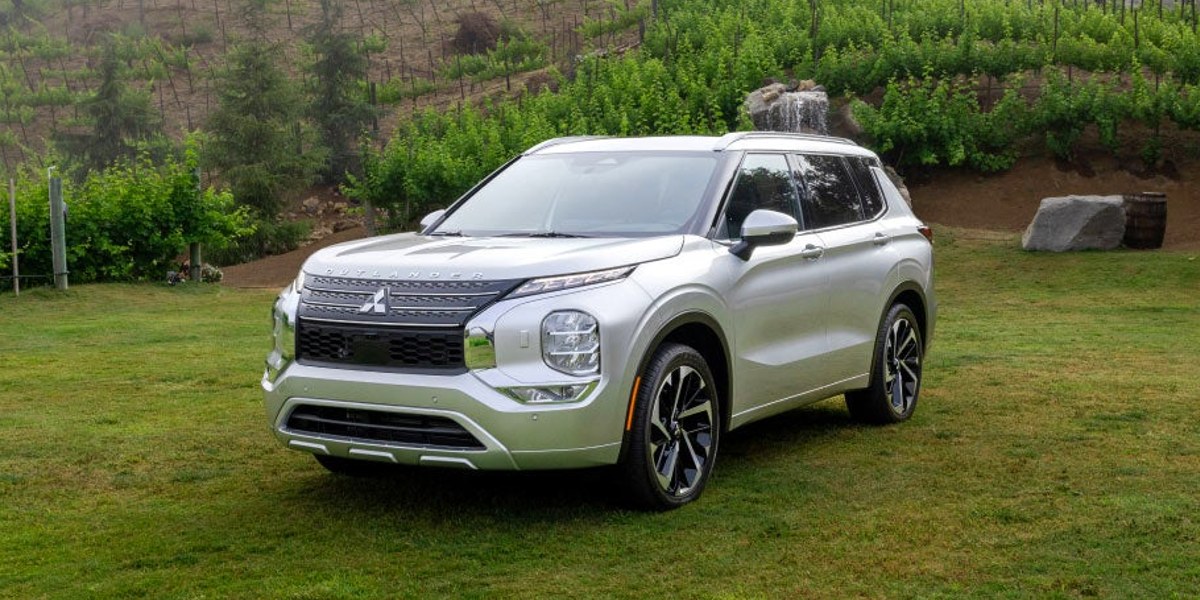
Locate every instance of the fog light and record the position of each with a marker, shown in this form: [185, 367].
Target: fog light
[551, 393]
[571, 342]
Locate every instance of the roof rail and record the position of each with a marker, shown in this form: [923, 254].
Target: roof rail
[728, 139]
[562, 140]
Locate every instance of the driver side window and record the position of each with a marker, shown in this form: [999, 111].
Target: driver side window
[763, 182]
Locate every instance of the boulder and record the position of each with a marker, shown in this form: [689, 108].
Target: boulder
[774, 108]
[1076, 223]
[847, 124]
[311, 205]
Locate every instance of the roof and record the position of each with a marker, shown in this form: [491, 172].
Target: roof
[739, 141]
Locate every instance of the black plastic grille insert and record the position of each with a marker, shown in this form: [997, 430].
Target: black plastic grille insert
[436, 349]
[382, 426]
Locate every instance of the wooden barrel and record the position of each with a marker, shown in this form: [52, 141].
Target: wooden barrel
[1145, 220]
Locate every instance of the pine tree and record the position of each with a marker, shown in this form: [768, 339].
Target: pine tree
[121, 118]
[337, 106]
[259, 143]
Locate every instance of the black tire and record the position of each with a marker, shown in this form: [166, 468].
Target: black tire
[895, 376]
[668, 437]
[354, 468]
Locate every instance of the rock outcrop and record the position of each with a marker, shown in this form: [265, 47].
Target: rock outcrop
[802, 107]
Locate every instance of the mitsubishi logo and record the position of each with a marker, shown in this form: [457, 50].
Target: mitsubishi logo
[378, 304]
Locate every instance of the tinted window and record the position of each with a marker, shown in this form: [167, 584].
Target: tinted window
[868, 189]
[764, 182]
[830, 196]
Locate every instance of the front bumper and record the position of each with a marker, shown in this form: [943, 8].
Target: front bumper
[513, 435]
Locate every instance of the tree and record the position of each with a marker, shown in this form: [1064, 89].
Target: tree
[121, 118]
[338, 106]
[259, 143]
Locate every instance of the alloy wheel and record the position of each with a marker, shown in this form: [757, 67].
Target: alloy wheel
[681, 431]
[902, 365]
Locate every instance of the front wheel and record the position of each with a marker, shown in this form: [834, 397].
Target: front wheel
[675, 430]
[896, 373]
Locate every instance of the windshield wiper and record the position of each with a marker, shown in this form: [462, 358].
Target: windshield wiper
[543, 234]
[447, 234]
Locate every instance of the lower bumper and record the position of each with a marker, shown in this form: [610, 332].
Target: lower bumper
[513, 436]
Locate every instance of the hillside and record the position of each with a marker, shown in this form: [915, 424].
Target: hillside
[175, 49]
[1107, 95]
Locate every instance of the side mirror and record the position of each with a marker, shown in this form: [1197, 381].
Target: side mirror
[764, 228]
[432, 218]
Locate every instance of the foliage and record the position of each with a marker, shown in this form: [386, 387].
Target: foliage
[262, 238]
[120, 116]
[127, 221]
[340, 111]
[398, 89]
[437, 156]
[937, 121]
[259, 143]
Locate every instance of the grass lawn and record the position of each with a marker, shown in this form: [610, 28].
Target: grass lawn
[1056, 452]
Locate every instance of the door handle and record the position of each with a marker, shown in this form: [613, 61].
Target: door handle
[881, 238]
[812, 252]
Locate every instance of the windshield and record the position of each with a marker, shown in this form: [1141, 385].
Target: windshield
[594, 194]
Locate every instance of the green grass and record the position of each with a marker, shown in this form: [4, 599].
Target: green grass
[1056, 453]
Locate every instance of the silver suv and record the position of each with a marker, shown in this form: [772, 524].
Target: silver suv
[601, 301]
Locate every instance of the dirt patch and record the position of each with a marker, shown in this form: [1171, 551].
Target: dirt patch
[277, 271]
[1008, 201]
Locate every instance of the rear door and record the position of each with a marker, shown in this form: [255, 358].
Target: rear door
[843, 204]
[777, 297]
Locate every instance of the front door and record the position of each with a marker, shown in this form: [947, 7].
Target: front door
[777, 297]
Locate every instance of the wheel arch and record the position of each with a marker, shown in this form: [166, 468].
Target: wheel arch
[912, 295]
[703, 333]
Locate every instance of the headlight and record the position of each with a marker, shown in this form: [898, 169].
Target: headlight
[571, 342]
[298, 284]
[566, 282]
[283, 334]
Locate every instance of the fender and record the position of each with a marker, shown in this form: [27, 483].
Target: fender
[906, 286]
[665, 331]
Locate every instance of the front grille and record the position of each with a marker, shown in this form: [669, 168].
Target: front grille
[404, 325]
[381, 426]
[379, 346]
[407, 303]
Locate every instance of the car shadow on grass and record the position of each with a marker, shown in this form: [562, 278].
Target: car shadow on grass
[556, 494]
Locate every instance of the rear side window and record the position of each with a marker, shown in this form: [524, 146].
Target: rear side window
[868, 189]
[831, 197]
[763, 182]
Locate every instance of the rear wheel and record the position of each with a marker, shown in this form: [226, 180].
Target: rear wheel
[675, 430]
[896, 374]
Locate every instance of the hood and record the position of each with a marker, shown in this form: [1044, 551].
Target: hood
[412, 256]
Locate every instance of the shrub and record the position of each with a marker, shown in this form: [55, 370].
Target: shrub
[477, 32]
[129, 221]
[264, 239]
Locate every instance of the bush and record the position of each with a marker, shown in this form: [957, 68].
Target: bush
[266, 238]
[127, 222]
[930, 121]
[477, 32]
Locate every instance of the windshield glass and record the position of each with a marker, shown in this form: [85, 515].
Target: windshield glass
[594, 194]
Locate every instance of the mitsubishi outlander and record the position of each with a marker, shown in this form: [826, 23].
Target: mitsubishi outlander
[611, 301]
